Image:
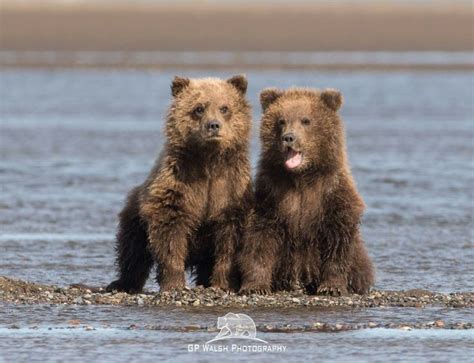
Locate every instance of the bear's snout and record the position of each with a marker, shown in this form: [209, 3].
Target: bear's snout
[288, 139]
[213, 126]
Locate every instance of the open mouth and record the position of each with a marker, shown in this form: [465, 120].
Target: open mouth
[293, 158]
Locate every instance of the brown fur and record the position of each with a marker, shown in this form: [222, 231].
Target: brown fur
[304, 230]
[190, 211]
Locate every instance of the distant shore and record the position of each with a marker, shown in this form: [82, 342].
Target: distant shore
[240, 61]
[321, 26]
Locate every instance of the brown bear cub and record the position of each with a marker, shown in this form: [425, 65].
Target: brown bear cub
[190, 212]
[304, 231]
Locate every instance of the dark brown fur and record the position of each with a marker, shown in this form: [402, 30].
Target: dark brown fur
[190, 211]
[304, 230]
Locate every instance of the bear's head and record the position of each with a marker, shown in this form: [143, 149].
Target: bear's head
[209, 112]
[301, 130]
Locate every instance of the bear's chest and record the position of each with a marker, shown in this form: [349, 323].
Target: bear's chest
[300, 210]
[218, 196]
[215, 194]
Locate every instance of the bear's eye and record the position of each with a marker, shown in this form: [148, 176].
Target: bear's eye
[199, 111]
[281, 122]
[306, 121]
[224, 110]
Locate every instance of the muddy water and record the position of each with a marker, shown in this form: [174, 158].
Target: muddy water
[74, 141]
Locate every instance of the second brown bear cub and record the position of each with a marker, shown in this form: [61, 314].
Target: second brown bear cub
[305, 226]
[191, 210]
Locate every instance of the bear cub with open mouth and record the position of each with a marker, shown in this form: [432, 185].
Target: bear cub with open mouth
[304, 230]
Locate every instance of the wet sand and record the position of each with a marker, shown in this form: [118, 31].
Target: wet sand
[322, 26]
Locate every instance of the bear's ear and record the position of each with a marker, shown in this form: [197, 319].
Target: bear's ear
[178, 84]
[239, 82]
[332, 98]
[268, 96]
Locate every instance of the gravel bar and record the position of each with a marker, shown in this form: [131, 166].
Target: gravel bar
[22, 292]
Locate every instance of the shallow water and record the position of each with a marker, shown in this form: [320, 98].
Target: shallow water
[73, 142]
[46, 331]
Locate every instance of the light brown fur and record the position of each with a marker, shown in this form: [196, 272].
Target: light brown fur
[193, 206]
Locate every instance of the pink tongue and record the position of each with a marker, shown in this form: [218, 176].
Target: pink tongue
[294, 159]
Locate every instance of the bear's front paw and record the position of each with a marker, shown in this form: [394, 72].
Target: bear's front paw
[332, 290]
[255, 289]
[121, 286]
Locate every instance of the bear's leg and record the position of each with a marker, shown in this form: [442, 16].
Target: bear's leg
[258, 257]
[287, 276]
[227, 234]
[310, 267]
[335, 266]
[361, 273]
[168, 237]
[134, 261]
[337, 237]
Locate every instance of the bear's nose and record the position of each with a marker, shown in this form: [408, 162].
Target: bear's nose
[213, 126]
[288, 138]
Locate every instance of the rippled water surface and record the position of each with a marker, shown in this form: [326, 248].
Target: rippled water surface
[73, 142]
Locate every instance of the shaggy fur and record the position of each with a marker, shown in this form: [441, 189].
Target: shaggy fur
[191, 210]
[304, 230]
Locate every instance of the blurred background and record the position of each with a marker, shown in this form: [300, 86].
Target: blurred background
[84, 88]
[234, 33]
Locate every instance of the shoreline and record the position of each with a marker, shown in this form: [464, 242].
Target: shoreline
[22, 292]
[236, 67]
[324, 61]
